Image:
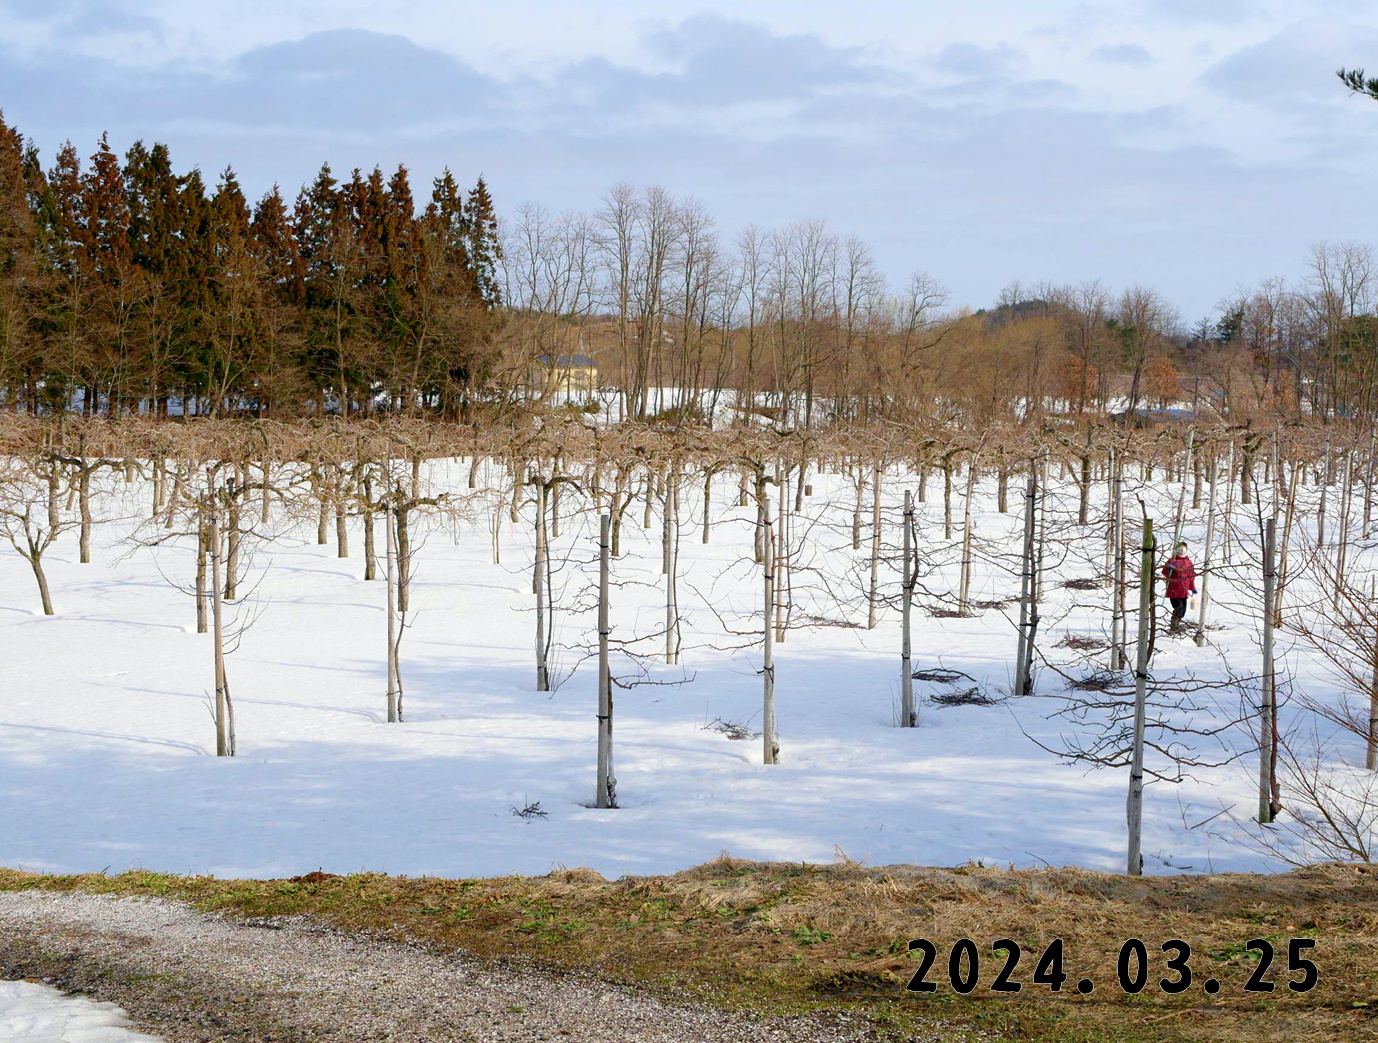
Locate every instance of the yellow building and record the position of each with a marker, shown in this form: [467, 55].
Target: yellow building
[574, 375]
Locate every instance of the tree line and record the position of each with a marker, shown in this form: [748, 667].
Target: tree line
[129, 288]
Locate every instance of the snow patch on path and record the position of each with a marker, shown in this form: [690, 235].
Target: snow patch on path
[37, 1013]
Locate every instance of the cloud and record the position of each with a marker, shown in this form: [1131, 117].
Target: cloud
[1211, 12]
[722, 60]
[82, 18]
[1122, 54]
[352, 77]
[973, 60]
[1297, 63]
[346, 79]
[993, 175]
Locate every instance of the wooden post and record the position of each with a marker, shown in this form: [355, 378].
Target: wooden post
[908, 718]
[224, 734]
[1119, 627]
[873, 595]
[1196, 478]
[672, 568]
[707, 503]
[1023, 675]
[1267, 715]
[1041, 534]
[964, 593]
[1206, 558]
[856, 510]
[538, 584]
[1368, 480]
[202, 549]
[770, 743]
[1325, 488]
[947, 496]
[1110, 532]
[1180, 520]
[1371, 756]
[606, 796]
[394, 680]
[1342, 537]
[1135, 805]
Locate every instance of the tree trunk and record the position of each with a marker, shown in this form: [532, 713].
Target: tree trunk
[323, 517]
[341, 529]
[370, 550]
[403, 559]
[84, 503]
[232, 539]
[54, 492]
[35, 557]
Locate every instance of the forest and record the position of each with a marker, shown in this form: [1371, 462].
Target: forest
[128, 288]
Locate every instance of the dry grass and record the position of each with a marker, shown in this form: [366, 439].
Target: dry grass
[791, 937]
[1083, 642]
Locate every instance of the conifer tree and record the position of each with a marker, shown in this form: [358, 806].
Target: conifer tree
[485, 248]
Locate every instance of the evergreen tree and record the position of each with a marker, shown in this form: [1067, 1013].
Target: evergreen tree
[19, 269]
[1358, 82]
[485, 248]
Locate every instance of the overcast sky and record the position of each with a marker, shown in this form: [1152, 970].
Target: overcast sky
[1192, 145]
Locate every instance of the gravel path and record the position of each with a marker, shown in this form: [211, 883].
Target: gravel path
[188, 976]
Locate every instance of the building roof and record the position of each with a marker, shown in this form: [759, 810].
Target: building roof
[569, 362]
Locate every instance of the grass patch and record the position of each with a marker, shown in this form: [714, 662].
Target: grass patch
[787, 938]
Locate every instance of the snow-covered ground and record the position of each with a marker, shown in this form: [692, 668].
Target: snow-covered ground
[34, 1013]
[106, 738]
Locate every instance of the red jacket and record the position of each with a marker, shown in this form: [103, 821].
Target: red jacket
[1181, 577]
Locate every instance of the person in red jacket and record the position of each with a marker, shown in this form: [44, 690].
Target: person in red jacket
[1181, 583]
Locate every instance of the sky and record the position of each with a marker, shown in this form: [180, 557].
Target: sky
[1195, 146]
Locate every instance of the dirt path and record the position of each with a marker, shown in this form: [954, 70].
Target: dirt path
[189, 976]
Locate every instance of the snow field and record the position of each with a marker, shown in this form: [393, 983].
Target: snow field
[107, 742]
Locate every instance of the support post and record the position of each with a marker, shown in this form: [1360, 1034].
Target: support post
[394, 681]
[606, 796]
[1267, 711]
[908, 718]
[1135, 806]
[770, 744]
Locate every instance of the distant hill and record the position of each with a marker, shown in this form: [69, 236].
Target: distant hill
[1037, 308]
